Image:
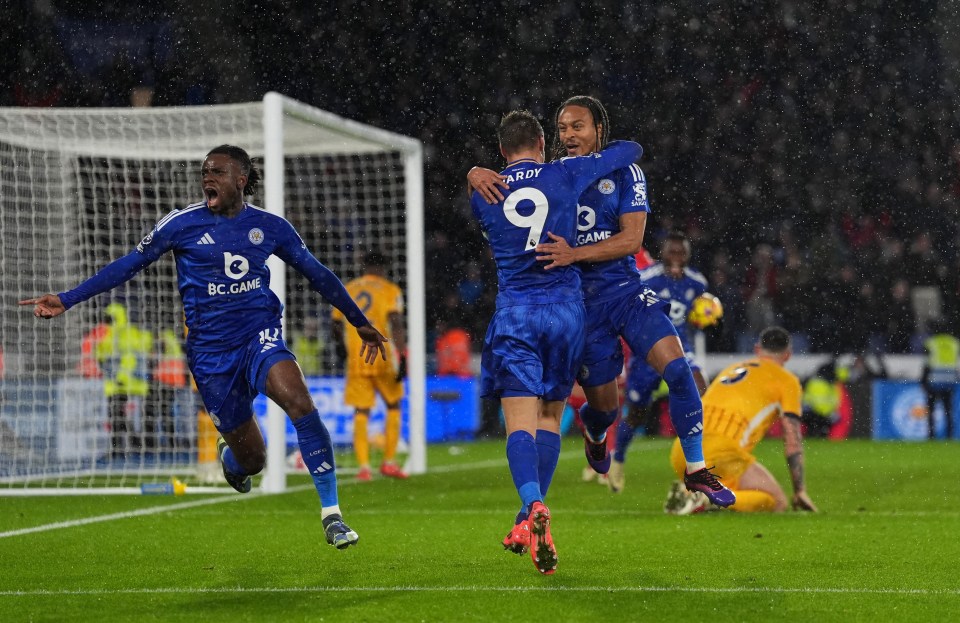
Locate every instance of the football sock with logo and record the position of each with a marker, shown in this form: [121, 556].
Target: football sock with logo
[317, 452]
[391, 433]
[625, 434]
[597, 422]
[361, 442]
[686, 411]
[522, 459]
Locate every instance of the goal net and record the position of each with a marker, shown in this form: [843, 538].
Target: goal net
[97, 399]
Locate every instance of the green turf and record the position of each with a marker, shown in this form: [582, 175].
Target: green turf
[883, 548]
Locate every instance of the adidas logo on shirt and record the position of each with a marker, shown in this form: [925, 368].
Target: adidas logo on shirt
[207, 239]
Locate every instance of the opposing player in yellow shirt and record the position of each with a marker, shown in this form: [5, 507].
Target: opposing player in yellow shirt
[739, 406]
[382, 302]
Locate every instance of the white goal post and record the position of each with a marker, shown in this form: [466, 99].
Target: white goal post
[80, 187]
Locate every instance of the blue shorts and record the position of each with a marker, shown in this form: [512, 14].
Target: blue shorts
[229, 380]
[643, 381]
[639, 316]
[532, 350]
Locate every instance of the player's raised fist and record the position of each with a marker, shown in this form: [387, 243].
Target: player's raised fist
[46, 306]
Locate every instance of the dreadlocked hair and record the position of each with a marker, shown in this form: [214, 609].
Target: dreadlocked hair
[247, 167]
[601, 121]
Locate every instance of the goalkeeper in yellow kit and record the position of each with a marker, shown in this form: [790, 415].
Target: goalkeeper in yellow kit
[379, 298]
[739, 406]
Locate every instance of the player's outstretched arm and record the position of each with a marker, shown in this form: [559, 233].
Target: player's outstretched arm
[793, 448]
[373, 342]
[488, 183]
[46, 306]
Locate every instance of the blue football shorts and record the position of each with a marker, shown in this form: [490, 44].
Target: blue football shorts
[638, 315]
[532, 350]
[229, 380]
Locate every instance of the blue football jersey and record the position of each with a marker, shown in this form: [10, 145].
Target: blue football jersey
[678, 292]
[599, 210]
[222, 269]
[542, 198]
[222, 273]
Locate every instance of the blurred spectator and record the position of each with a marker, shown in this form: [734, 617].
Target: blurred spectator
[900, 319]
[453, 351]
[123, 352]
[760, 290]
[940, 373]
[308, 345]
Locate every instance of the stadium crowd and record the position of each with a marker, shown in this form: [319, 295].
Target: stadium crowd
[810, 150]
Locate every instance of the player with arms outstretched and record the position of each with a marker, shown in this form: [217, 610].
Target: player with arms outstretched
[235, 345]
[611, 223]
[534, 342]
[675, 282]
[739, 407]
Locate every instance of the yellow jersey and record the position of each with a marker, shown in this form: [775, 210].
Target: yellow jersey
[377, 298]
[746, 399]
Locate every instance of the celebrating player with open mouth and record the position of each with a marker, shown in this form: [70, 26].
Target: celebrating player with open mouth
[235, 345]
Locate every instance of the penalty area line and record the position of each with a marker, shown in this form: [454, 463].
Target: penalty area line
[180, 590]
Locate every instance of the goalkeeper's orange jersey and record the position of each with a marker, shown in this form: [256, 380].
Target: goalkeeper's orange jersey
[377, 298]
[747, 397]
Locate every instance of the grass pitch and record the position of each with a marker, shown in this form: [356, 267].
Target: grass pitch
[884, 547]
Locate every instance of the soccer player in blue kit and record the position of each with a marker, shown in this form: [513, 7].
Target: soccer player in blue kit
[534, 342]
[235, 345]
[611, 222]
[675, 282]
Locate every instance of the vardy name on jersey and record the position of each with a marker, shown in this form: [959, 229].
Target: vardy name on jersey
[542, 198]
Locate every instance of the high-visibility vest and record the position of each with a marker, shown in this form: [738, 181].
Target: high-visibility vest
[88, 367]
[943, 353]
[123, 352]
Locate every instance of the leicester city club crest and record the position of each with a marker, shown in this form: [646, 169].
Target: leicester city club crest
[606, 186]
[255, 235]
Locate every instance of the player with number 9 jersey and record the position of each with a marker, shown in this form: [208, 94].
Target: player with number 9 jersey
[542, 198]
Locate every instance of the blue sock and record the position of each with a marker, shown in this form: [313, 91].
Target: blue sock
[522, 458]
[231, 463]
[686, 409]
[597, 422]
[548, 453]
[317, 452]
[625, 434]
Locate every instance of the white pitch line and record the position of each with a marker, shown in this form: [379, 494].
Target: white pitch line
[154, 510]
[182, 590]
